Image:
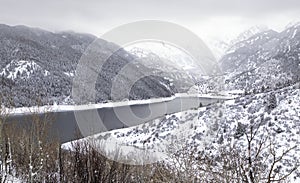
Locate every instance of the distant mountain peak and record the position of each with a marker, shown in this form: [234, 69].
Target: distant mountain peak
[292, 24]
[218, 47]
[249, 33]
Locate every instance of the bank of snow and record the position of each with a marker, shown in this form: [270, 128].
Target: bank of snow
[108, 104]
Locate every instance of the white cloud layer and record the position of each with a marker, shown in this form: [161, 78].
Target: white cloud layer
[207, 18]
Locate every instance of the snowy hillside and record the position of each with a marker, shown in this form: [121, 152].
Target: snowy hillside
[266, 61]
[21, 69]
[274, 115]
[245, 36]
[259, 130]
[168, 62]
[175, 56]
[37, 68]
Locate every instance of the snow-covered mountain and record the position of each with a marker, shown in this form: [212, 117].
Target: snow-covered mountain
[169, 54]
[263, 63]
[266, 66]
[221, 47]
[168, 62]
[37, 67]
[245, 36]
[218, 47]
[265, 60]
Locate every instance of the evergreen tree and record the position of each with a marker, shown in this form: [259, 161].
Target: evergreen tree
[272, 102]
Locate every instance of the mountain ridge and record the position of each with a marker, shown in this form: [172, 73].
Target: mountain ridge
[58, 54]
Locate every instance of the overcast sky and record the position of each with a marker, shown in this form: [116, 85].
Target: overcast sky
[207, 18]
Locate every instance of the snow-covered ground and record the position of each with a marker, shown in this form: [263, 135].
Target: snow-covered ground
[152, 138]
[214, 127]
[22, 69]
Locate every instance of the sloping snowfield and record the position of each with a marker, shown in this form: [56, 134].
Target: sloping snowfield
[215, 127]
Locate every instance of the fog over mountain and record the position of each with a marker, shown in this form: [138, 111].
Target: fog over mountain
[207, 19]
